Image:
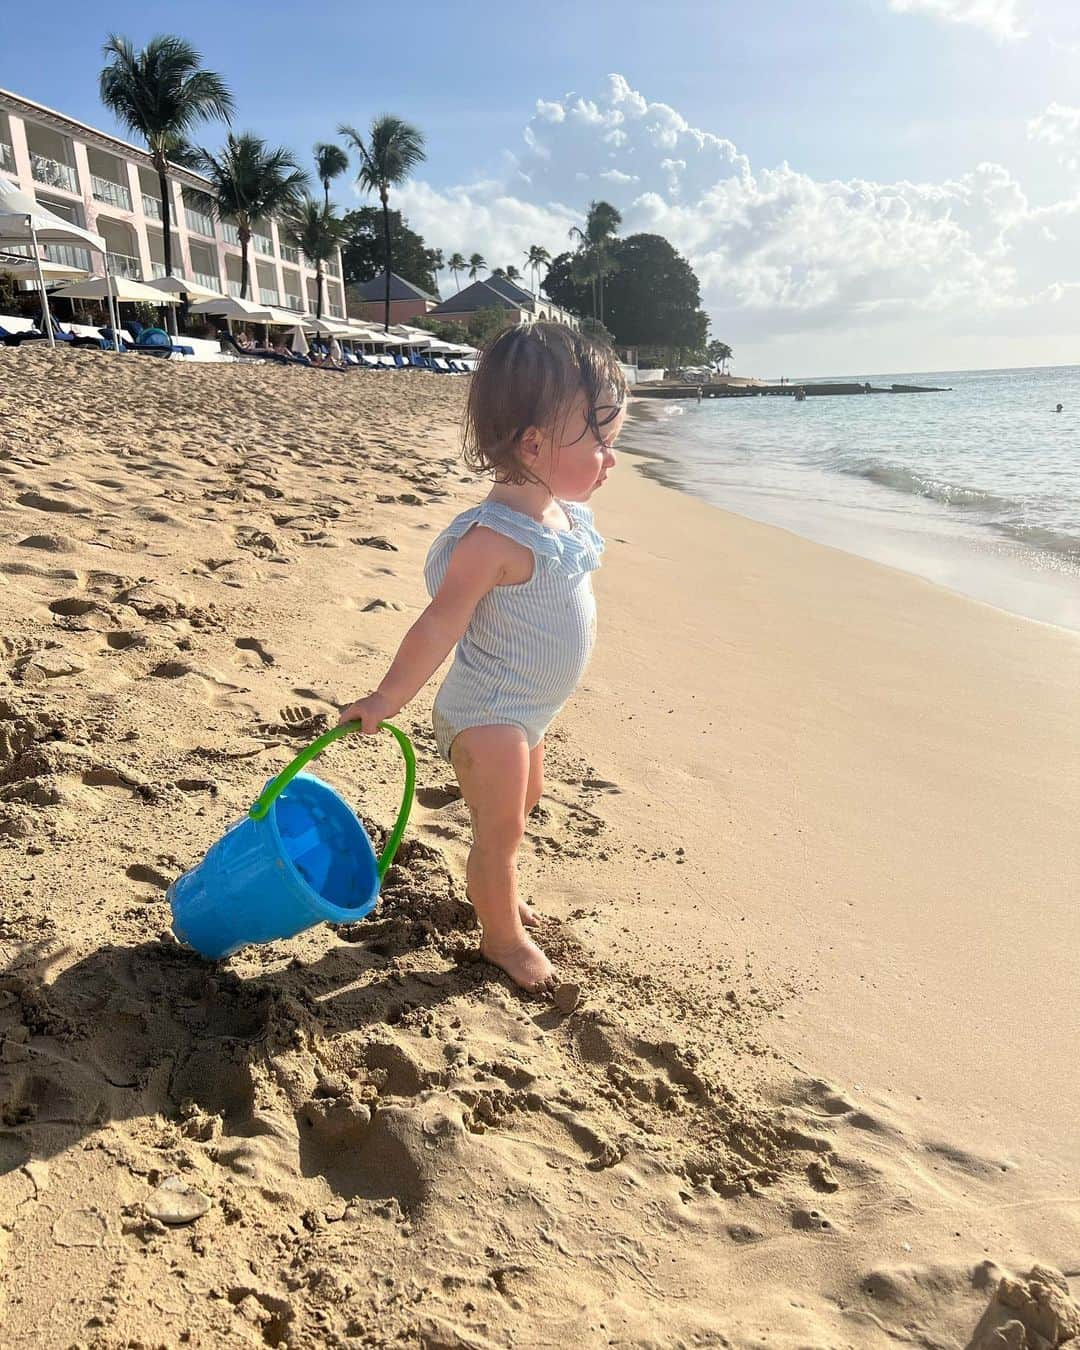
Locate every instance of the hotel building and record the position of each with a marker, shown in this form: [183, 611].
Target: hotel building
[112, 188]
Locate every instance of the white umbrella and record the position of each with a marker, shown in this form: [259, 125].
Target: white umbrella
[23, 221]
[331, 327]
[232, 307]
[281, 318]
[123, 289]
[299, 342]
[181, 286]
[26, 269]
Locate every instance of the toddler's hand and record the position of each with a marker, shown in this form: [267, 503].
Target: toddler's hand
[369, 712]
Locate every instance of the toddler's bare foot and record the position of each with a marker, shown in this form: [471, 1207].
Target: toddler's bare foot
[522, 960]
[525, 914]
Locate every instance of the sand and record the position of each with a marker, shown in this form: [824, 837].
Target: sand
[808, 850]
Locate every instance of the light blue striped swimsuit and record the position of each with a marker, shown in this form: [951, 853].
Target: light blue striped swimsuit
[526, 646]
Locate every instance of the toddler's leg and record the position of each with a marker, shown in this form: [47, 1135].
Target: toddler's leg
[533, 793]
[492, 766]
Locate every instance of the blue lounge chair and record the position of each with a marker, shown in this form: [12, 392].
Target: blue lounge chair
[156, 342]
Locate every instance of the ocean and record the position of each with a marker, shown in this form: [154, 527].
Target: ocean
[977, 488]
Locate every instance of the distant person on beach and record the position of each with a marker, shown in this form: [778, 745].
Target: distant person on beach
[512, 590]
[1059, 407]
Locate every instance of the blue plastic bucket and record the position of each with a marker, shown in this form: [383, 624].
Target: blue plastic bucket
[300, 857]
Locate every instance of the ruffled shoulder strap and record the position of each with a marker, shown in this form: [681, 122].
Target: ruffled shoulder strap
[568, 551]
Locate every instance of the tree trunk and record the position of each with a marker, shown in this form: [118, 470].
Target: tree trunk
[386, 242]
[318, 288]
[166, 216]
[245, 277]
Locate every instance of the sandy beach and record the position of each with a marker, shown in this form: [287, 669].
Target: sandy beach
[808, 847]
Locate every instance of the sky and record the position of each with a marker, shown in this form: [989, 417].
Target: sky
[861, 186]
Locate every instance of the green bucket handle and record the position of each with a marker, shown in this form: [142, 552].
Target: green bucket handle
[273, 790]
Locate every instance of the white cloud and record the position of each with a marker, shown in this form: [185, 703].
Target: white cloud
[1059, 126]
[777, 251]
[997, 17]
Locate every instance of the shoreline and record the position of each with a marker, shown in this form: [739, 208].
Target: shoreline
[1019, 583]
[807, 843]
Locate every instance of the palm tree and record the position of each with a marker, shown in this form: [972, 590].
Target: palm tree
[512, 274]
[250, 181]
[438, 262]
[393, 149]
[161, 94]
[536, 256]
[498, 271]
[455, 265]
[595, 244]
[330, 162]
[317, 232]
[476, 262]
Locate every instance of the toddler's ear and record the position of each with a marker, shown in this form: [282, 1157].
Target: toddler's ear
[529, 443]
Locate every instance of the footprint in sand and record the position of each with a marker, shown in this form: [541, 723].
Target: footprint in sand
[48, 543]
[436, 797]
[297, 720]
[257, 650]
[37, 501]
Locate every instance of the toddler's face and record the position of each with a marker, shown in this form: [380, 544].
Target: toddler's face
[578, 460]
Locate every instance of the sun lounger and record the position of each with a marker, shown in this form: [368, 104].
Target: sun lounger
[156, 342]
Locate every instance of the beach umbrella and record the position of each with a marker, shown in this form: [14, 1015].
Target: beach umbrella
[181, 286]
[229, 307]
[331, 327]
[24, 221]
[299, 342]
[122, 289]
[26, 269]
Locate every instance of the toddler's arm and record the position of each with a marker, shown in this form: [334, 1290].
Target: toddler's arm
[477, 564]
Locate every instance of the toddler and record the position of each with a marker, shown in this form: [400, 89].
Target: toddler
[511, 589]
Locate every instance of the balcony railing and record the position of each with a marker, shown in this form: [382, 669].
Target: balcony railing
[113, 194]
[68, 256]
[207, 279]
[332, 268]
[268, 295]
[54, 174]
[7, 157]
[263, 244]
[199, 223]
[151, 206]
[230, 233]
[290, 254]
[124, 265]
[294, 302]
[235, 288]
[336, 311]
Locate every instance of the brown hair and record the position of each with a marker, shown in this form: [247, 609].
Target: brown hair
[528, 376]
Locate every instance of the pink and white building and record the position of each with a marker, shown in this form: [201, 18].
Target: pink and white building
[111, 187]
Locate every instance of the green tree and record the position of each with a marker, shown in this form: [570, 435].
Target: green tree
[482, 325]
[596, 258]
[392, 150]
[330, 163]
[477, 263]
[536, 256]
[363, 250]
[162, 93]
[251, 180]
[718, 353]
[456, 265]
[652, 300]
[512, 274]
[316, 230]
